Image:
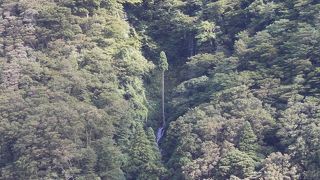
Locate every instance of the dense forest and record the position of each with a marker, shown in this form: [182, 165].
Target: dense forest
[160, 89]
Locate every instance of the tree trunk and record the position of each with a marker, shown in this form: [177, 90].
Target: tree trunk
[191, 45]
[162, 91]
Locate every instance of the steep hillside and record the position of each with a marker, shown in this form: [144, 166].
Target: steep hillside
[72, 101]
[246, 103]
[81, 84]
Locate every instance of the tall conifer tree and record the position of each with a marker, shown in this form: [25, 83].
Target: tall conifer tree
[163, 66]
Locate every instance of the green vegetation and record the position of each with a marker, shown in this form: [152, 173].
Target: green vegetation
[84, 85]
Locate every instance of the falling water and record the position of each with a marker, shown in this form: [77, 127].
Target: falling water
[159, 134]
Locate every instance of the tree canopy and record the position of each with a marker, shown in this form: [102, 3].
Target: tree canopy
[82, 89]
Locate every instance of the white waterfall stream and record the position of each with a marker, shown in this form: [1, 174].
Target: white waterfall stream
[160, 133]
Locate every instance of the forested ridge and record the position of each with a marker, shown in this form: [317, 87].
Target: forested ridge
[85, 85]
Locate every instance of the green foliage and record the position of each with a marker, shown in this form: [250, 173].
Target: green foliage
[300, 132]
[205, 32]
[236, 163]
[78, 92]
[248, 140]
[237, 66]
[278, 165]
[71, 88]
[163, 63]
[144, 162]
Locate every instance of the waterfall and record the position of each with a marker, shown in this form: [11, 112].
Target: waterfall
[160, 134]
